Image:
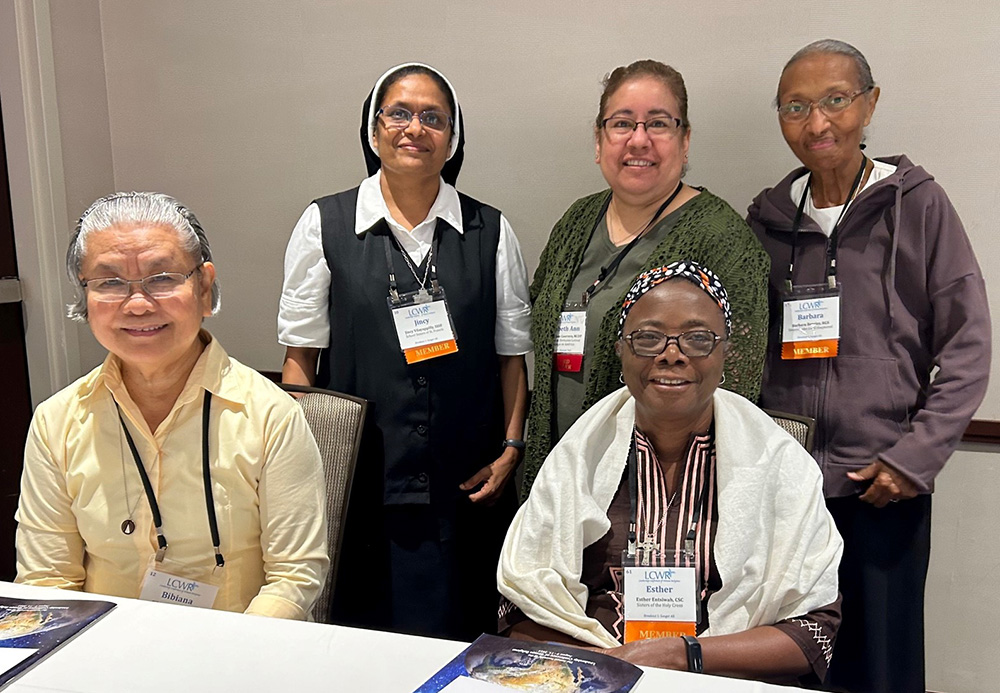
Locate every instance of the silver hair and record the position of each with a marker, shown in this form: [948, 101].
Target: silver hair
[134, 208]
[835, 47]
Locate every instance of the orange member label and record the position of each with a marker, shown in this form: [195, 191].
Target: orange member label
[819, 349]
[430, 351]
[646, 630]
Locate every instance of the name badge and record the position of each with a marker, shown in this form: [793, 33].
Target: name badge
[423, 325]
[810, 327]
[660, 602]
[571, 339]
[168, 588]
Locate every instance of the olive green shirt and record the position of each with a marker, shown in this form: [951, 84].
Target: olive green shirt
[571, 388]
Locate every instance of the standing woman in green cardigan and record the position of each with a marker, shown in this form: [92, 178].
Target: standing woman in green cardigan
[648, 218]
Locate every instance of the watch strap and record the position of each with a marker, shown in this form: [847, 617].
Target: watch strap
[693, 648]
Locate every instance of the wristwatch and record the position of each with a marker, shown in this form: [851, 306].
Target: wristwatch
[693, 654]
[514, 443]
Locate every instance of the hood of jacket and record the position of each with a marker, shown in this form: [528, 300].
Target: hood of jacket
[774, 207]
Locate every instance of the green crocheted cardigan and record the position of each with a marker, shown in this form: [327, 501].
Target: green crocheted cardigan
[708, 231]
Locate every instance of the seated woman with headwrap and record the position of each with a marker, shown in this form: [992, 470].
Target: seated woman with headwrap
[711, 485]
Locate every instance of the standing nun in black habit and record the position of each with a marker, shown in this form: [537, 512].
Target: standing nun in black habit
[413, 296]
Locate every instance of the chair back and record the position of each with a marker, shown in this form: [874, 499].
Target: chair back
[802, 428]
[336, 421]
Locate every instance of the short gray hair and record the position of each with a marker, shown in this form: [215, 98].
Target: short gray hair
[835, 47]
[135, 208]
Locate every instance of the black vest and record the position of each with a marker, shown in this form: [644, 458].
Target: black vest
[432, 424]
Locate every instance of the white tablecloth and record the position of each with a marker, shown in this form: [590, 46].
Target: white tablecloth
[158, 648]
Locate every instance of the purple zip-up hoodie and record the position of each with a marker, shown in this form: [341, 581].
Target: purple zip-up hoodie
[912, 299]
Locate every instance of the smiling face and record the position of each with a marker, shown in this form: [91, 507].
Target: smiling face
[673, 389]
[414, 150]
[642, 170]
[147, 334]
[823, 142]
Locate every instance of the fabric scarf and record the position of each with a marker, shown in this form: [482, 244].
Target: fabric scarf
[776, 548]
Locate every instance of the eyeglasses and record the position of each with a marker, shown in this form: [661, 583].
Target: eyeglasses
[831, 104]
[399, 118]
[650, 343]
[116, 289]
[621, 128]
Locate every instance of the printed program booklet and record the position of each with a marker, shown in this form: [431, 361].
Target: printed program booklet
[32, 629]
[498, 664]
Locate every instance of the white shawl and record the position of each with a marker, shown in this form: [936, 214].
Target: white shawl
[776, 547]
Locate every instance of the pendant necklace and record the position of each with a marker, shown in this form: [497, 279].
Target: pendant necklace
[128, 526]
[651, 543]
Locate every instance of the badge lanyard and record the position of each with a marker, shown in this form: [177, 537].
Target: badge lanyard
[810, 322]
[831, 248]
[633, 493]
[613, 265]
[154, 507]
[423, 323]
[430, 271]
[659, 601]
[571, 334]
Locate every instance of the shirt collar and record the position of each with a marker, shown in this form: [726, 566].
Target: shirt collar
[210, 372]
[371, 207]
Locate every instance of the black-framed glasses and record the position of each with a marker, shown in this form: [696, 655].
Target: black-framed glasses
[399, 118]
[694, 344]
[621, 128]
[116, 289]
[831, 104]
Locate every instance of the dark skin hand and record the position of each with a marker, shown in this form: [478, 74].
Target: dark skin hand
[763, 653]
[887, 486]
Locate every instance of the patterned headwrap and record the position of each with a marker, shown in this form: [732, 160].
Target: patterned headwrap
[702, 277]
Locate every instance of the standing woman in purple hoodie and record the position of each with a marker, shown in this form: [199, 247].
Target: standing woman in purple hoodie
[873, 284]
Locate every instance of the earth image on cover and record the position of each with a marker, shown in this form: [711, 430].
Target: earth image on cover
[17, 624]
[520, 669]
[36, 623]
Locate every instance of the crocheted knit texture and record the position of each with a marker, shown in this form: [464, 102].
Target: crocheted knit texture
[708, 231]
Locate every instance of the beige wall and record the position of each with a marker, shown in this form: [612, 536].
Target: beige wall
[247, 110]
[963, 603]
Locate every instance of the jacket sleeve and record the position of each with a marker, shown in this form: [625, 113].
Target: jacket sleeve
[961, 338]
[50, 548]
[293, 522]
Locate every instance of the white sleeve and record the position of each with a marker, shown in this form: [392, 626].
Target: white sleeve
[303, 311]
[513, 326]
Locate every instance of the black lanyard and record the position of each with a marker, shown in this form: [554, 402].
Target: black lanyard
[213, 524]
[613, 265]
[831, 247]
[633, 494]
[431, 271]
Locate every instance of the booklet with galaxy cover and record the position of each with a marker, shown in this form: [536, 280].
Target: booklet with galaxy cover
[498, 664]
[32, 629]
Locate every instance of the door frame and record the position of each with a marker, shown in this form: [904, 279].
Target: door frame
[38, 193]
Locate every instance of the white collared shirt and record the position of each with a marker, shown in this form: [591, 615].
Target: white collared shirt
[303, 311]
